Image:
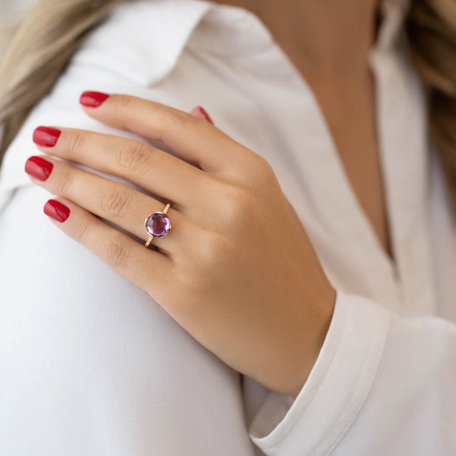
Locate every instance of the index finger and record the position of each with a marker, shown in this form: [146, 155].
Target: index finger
[192, 138]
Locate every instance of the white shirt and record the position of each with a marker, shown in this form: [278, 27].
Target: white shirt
[91, 365]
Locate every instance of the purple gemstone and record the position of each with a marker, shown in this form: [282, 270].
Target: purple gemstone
[158, 224]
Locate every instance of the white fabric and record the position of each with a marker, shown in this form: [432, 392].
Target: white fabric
[14, 11]
[91, 365]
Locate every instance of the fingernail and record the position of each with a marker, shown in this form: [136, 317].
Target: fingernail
[205, 114]
[46, 136]
[38, 167]
[56, 210]
[93, 99]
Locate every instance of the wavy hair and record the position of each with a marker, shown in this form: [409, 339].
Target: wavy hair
[431, 33]
[38, 53]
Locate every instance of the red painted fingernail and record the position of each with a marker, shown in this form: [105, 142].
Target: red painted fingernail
[205, 114]
[46, 136]
[93, 99]
[38, 167]
[56, 210]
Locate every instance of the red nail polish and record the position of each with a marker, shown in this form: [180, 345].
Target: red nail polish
[93, 99]
[205, 114]
[56, 210]
[46, 136]
[38, 167]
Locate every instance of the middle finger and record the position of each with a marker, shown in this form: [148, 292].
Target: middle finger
[149, 168]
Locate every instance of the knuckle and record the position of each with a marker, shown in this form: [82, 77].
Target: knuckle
[261, 172]
[116, 251]
[240, 203]
[133, 157]
[122, 102]
[216, 249]
[172, 118]
[64, 183]
[115, 202]
[263, 166]
[80, 230]
[77, 142]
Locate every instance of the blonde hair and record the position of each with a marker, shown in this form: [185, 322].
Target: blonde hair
[431, 31]
[52, 31]
[37, 54]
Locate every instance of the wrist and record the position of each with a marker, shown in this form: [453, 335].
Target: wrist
[315, 342]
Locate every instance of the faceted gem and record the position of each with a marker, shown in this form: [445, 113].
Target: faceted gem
[158, 224]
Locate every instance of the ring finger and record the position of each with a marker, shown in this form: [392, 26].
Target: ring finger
[113, 201]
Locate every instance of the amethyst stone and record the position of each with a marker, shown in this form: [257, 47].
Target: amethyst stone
[158, 224]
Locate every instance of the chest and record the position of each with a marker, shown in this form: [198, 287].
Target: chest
[349, 110]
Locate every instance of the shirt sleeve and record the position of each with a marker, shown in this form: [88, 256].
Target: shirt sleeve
[383, 383]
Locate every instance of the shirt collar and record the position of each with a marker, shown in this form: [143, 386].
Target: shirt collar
[154, 45]
[237, 31]
[142, 40]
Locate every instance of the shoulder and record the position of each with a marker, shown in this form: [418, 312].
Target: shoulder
[134, 49]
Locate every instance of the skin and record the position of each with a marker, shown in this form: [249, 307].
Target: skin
[217, 270]
[214, 274]
[328, 42]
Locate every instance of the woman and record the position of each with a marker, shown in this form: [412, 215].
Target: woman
[279, 255]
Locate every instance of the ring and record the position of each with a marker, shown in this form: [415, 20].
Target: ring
[157, 224]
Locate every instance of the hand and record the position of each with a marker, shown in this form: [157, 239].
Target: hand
[236, 270]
